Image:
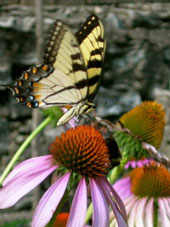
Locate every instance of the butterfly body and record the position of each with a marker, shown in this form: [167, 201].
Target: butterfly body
[70, 73]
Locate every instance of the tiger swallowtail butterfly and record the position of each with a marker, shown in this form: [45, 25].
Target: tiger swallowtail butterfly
[70, 72]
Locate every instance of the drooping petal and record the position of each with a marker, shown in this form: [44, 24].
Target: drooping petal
[167, 206]
[132, 214]
[164, 218]
[20, 183]
[118, 207]
[122, 187]
[121, 183]
[129, 203]
[30, 166]
[140, 217]
[50, 201]
[104, 182]
[100, 207]
[149, 209]
[79, 206]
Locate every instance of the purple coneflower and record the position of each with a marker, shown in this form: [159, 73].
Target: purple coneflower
[82, 151]
[146, 195]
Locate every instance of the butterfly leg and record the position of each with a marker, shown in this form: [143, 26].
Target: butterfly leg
[67, 116]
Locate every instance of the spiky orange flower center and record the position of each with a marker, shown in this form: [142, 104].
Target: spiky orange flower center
[146, 121]
[152, 180]
[82, 150]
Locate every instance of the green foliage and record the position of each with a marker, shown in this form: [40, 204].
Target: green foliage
[130, 146]
[54, 112]
[19, 223]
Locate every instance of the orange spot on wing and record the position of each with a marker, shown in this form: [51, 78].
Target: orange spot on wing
[37, 96]
[20, 83]
[36, 90]
[40, 103]
[45, 67]
[37, 85]
[26, 76]
[67, 107]
[16, 90]
[34, 70]
[29, 104]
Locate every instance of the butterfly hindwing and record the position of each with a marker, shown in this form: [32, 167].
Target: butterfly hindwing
[62, 84]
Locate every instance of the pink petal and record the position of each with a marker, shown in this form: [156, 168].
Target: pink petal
[118, 207]
[149, 210]
[123, 187]
[140, 217]
[140, 163]
[100, 207]
[164, 218]
[167, 206]
[133, 164]
[122, 182]
[132, 215]
[30, 166]
[118, 200]
[146, 161]
[127, 165]
[129, 203]
[20, 183]
[73, 122]
[50, 201]
[79, 206]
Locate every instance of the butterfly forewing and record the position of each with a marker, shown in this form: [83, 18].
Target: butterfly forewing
[92, 44]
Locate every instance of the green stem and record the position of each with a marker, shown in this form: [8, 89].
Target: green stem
[155, 218]
[23, 147]
[117, 171]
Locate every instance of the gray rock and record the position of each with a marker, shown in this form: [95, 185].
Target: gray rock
[4, 137]
[115, 103]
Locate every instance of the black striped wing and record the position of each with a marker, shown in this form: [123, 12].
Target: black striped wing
[92, 44]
